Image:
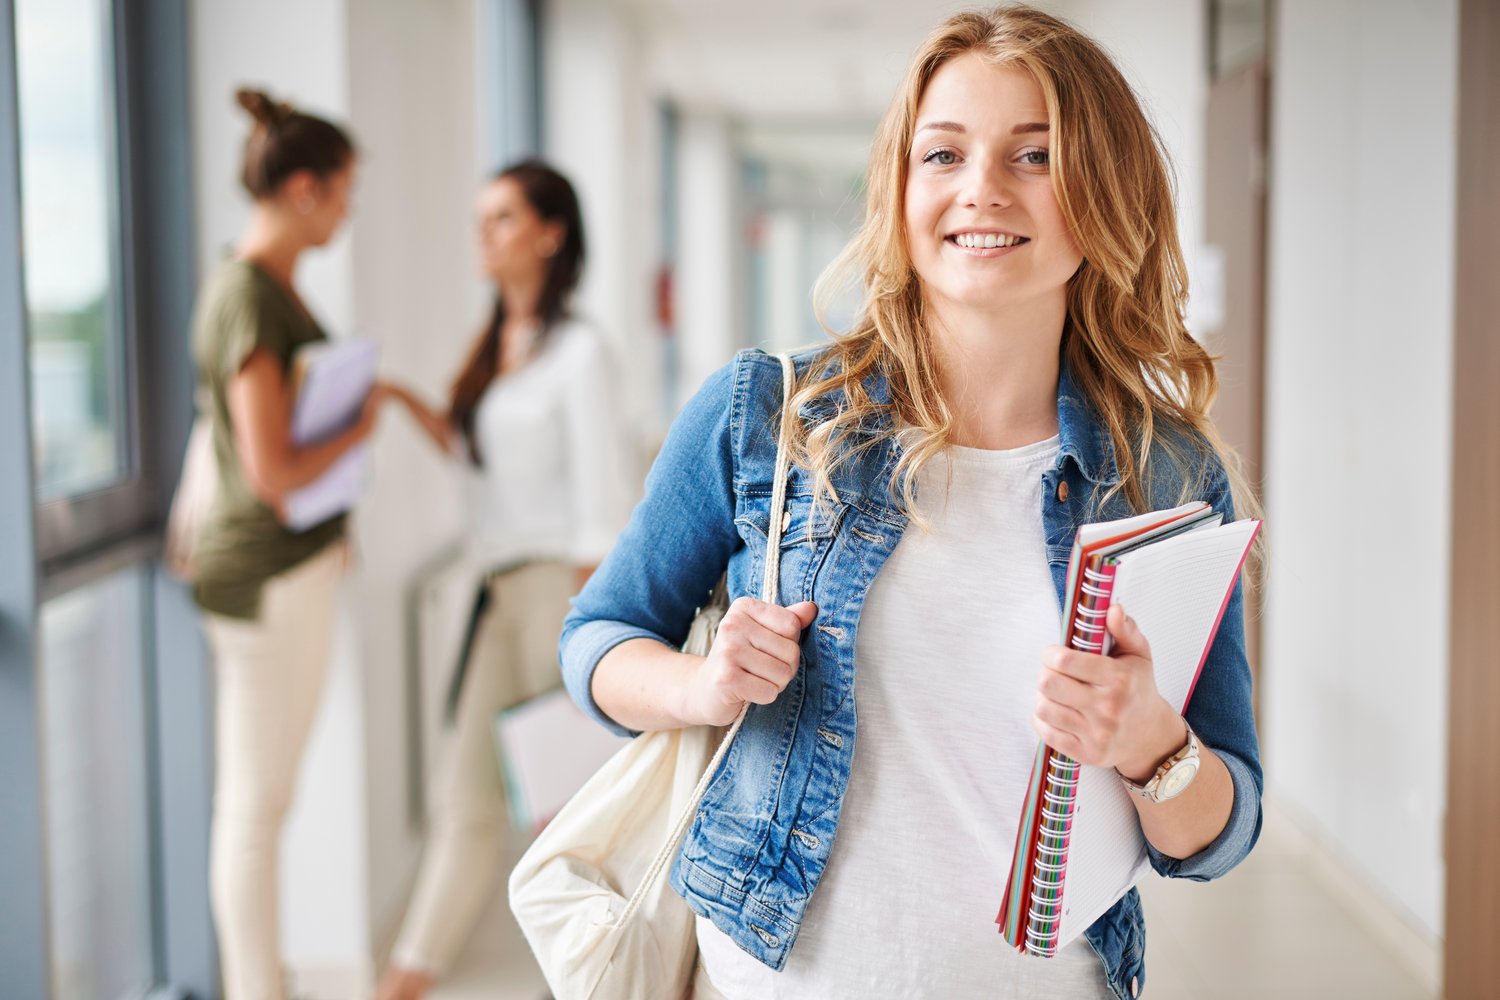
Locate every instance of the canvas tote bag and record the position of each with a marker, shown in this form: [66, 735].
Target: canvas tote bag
[193, 498]
[591, 893]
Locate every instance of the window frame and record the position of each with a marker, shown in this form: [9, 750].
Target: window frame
[73, 527]
[118, 526]
[23, 946]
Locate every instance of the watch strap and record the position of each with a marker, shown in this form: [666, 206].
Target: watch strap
[1150, 791]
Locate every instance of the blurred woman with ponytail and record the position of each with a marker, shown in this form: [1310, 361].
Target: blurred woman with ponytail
[531, 415]
[267, 592]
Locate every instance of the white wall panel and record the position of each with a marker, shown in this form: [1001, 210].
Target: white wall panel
[1359, 401]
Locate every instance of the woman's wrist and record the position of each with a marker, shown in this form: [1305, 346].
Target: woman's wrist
[645, 685]
[1167, 735]
[685, 705]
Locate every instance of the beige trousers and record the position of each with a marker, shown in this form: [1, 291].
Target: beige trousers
[270, 675]
[514, 657]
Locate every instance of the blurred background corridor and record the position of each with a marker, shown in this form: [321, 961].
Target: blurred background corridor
[1341, 213]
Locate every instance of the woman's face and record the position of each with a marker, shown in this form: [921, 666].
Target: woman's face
[983, 226]
[515, 242]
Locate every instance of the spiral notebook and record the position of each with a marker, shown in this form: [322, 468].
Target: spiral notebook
[332, 379]
[1079, 845]
[547, 749]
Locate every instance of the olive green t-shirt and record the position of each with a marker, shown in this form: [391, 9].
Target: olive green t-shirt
[242, 543]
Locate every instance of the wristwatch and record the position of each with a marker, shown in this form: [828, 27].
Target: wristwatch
[1174, 775]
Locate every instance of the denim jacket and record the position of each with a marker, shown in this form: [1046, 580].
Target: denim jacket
[760, 842]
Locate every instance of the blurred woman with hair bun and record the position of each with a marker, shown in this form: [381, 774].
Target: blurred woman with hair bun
[267, 592]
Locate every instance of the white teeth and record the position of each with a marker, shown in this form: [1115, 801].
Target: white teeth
[985, 241]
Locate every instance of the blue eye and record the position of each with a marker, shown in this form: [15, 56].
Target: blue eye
[942, 157]
[1036, 158]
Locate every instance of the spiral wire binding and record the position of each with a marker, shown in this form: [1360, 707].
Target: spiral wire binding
[1060, 787]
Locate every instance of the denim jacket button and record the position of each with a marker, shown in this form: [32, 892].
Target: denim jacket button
[1062, 491]
[1135, 986]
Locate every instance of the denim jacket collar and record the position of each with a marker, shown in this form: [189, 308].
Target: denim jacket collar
[1083, 438]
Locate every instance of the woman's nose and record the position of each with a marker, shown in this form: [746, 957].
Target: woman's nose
[986, 186]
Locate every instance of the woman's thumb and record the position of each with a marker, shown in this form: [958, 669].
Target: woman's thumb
[1127, 633]
[805, 611]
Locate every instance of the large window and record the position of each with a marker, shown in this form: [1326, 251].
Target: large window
[70, 216]
[95, 389]
[93, 482]
[92, 692]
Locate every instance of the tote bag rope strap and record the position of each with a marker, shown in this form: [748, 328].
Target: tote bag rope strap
[768, 592]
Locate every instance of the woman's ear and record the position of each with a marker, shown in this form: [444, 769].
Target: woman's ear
[554, 235]
[301, 192]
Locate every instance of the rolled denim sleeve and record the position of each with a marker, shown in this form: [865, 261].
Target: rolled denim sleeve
[674, 549]
[1222, 714]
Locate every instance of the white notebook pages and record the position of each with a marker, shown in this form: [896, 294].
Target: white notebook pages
[548, 748]
[1176, 590]
[1091, 533]
[334, 380]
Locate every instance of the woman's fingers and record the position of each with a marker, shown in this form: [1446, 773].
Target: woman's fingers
[783, 621]
[1057, 739]
[1129, 640]
[773, 630]
[806, 612]
[1066, 690]
[1063, 718]
[777, 647]
[741, 654]
[1104, 710]
[757, 691]
[757, 650]
[1086, 668]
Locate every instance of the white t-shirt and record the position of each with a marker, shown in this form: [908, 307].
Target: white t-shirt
[554, 480]
[948, 655]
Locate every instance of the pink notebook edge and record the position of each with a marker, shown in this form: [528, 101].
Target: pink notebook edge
[1213, 633]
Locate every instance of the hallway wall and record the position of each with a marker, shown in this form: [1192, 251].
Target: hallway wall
[1359, 356]
[600, 128]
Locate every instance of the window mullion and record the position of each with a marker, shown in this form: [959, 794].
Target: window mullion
[23, 946]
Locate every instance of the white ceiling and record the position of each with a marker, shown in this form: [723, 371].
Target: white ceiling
[783, 59]
[804, 81]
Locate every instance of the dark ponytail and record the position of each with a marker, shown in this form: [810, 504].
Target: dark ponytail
[283, 141]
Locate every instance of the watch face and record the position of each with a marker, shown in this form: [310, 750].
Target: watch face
[1175, 780]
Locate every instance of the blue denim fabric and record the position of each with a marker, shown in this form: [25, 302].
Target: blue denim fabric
[707, 506]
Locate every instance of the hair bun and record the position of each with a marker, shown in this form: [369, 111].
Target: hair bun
[264, 110]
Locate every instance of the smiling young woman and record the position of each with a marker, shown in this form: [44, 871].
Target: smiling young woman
[983, 226]
[1020, 368]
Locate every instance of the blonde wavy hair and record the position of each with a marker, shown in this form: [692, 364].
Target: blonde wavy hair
[1124, 341]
